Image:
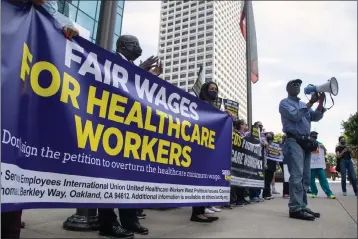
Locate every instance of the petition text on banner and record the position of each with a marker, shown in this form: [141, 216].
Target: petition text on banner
[83, 128]
[247, 162]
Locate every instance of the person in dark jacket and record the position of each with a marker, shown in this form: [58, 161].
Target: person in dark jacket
[209, 93]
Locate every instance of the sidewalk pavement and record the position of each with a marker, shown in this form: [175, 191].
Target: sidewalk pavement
[268, 219]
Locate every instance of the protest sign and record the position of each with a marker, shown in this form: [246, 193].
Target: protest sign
[82, 127]
[247, 162]
[197, 85]
[218, 103]
[317, 158]
[232, 106]
[274, 152]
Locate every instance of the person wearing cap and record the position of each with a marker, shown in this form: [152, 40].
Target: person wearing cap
[320, 173]
[296, 117]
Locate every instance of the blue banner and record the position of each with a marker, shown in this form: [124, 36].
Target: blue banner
[81, 127]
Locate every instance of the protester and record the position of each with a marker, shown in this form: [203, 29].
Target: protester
[11, 223]
[286, 191]
[296, 118]
[269, 171]
[345, 163]
[256, 192]
[320, 174]
[128, 48]
[273, 188]
[208, 93]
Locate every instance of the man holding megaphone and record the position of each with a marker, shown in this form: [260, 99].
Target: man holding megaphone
[296, 117]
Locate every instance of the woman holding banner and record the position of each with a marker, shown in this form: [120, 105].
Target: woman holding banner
[209, 94]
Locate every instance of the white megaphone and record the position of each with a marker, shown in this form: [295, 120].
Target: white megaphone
[331, 86]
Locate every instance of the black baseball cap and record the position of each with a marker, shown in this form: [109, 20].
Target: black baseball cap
[313, 133]
[293, 81]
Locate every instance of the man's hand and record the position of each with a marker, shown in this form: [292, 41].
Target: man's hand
[70, 32]
[38, 2]
[149, 63]
[314, 98]
[157, 70]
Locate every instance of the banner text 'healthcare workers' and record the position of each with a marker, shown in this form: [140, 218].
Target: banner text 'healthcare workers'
[83, 128]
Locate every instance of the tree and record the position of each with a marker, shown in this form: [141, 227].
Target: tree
[351, 130]
[278, 137]
[331, 158]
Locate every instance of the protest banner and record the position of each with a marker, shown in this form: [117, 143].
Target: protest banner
[274, 152]
[232, 106]
[247, 162]
[197, 85]
[82, 128]
[317, 158]
[218, 103]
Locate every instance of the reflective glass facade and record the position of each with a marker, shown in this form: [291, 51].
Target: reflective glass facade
[86, 14]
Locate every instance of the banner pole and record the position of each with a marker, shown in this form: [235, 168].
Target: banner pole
[86, 219]
[248, 65]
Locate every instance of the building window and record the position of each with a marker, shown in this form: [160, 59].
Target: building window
[184, 40]
[182, 83]
[193, 4]
[191, 74]
[209, 41]
[209, 20]
[201, 9]
[192, 51]
[175, 69]
[184, 46]
[183, 68]
[208, 71]
[191, 67]
[176, 22]
[192, 17]
[177, 28]
[192, 24]
[168, 57]
[200, 43]
[192, 30]
[192, 59]
[193, 11]
[183, 61]
[175, 56]
[184, 33]
[201, 29]
[174, 77]
[192, 38]
[209, 27]
[209, 14]
[184, 53]
[191, 82]
[176, 48]
[186, 19]
[201, 15]
[185, 26]
[201, 22]
[200, 50]
[169, 43]
[200, 58]
[182, 75]
[209, 48]
[178, 15]
[200, 36]
[170, 37]
[209, 56]
[170, 30]
[167, 78]
[209, 34]
[192, 45]
[175, 62]
[176, 34]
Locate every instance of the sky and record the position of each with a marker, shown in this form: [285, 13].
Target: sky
[309, 40]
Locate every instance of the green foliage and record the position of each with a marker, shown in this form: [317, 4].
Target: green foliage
[351, 130]
[331, 158]
[278, 137]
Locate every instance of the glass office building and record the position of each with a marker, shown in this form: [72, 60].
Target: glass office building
[86, 13]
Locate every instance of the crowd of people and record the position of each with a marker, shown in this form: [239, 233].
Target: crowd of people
[296, 117]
